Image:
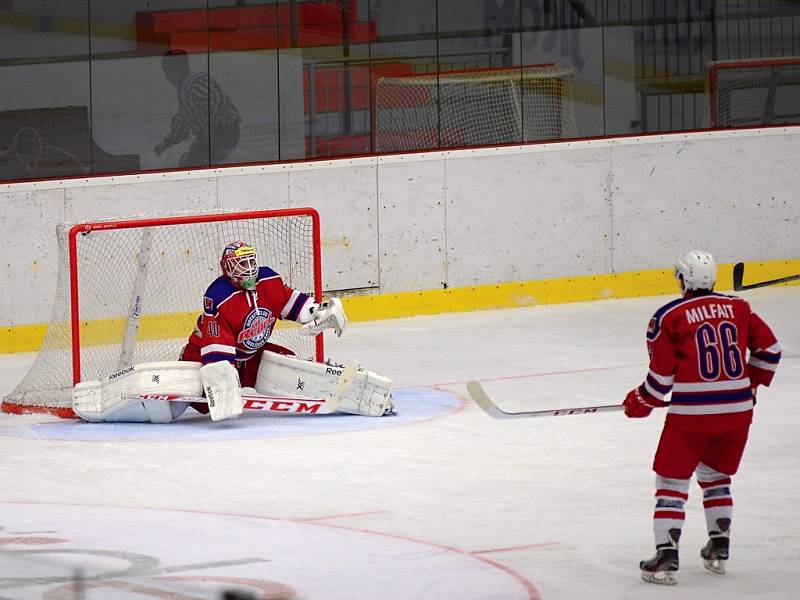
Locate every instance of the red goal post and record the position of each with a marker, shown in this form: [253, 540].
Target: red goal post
[130, 291]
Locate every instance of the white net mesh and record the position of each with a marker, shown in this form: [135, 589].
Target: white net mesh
[160, 273]
[753, 92]
[474, 108]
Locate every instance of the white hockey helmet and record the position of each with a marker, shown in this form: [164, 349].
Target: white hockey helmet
[696, 270]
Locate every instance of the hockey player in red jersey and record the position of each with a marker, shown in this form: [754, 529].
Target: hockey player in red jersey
[240, 309]
[229, 350]
[698, 346]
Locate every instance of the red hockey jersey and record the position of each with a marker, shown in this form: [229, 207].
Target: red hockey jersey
[236, 324]
[698, 349]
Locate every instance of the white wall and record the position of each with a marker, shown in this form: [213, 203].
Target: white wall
[460, 218]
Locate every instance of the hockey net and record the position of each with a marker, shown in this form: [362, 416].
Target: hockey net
[474, 108]
[130, 291]
[753, 92]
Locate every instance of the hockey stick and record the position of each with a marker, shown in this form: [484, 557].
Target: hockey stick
[738, 276]
[262, 402]
[481, 399]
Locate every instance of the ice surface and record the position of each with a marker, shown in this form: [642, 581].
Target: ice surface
[441, 502]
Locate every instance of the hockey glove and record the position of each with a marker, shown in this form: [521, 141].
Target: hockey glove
[638, 403]
[328, 315]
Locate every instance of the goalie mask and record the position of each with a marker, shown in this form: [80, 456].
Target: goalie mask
[240, 264]
[696, 270]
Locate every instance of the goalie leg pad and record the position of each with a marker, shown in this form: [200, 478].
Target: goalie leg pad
[116, 399]
[163, 411]
[88, 405]
[368, 395]
[222, 390]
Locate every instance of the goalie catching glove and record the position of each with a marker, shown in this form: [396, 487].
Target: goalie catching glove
[328, 314]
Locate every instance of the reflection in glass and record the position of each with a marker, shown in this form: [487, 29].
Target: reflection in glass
[568, 37]
[204, 111]
[325, 89]
[85, 89]
[480, 80]
[243, 40]
[44, 90]
[404, 118]
[133, 102]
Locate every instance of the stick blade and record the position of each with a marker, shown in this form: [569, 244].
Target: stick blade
[345, 381]
[480, 397]
[738, 280]
[738, 277]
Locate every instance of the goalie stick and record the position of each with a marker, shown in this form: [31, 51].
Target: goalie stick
[270, 404]
[482, 399]
[738, 276]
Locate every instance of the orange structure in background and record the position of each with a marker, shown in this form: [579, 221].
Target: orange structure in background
[254, 27]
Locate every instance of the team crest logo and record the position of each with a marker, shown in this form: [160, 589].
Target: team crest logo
[208, 304]
[256, 329]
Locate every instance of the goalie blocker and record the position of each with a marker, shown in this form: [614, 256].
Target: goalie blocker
[160, 392]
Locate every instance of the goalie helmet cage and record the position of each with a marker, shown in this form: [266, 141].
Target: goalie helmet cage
[130, 291]
[476, 107]
[753, 92]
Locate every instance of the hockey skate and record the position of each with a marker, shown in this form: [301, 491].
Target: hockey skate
[716, 551]
[664, 565]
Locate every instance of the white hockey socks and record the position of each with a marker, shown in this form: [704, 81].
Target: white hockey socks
[717, 498]
[671, 495]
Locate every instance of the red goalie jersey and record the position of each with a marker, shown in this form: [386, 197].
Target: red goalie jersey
[236, 324]
[698, 349]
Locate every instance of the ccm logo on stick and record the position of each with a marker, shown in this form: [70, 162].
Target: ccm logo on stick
[282, 406]
[574, 411]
